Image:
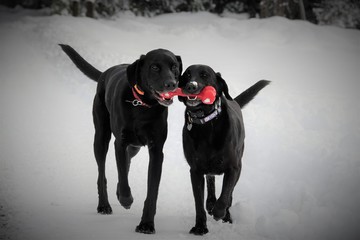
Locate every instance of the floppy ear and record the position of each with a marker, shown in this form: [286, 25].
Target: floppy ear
[223, 86]
[180, 63]
[133, 71]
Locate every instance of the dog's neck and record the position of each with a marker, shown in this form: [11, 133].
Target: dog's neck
[201, 116]
[140, 99]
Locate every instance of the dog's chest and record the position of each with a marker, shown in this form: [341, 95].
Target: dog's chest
[142, 130]
[208, 160]
[137, 134]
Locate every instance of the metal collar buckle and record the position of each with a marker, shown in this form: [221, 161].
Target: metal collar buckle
[135, 102]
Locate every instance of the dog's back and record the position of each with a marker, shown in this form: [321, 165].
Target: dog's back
[234, 112]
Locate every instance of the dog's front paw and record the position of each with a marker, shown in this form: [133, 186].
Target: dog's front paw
[106, 209]
[199, 230]
[219, 211]
[124, 196]
[126, 202]
[147, 228]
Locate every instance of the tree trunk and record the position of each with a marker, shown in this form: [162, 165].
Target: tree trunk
[75, 8]
[279, 8]
[302, 10]
[264, 9]
[90, 9]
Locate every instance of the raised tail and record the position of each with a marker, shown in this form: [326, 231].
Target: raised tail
[248, 95]
[81, 63]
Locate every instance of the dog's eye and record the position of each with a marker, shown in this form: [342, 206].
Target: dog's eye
[155, 68]
[188, 75]
[203, 75]
[174, 68]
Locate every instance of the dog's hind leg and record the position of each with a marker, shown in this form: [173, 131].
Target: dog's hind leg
[101, 145]
[123, 156]
[222, 205]
[211, 197]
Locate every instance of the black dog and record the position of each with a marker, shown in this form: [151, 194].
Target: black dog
[213, 141]
[128, 105]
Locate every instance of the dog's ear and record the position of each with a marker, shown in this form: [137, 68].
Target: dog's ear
[134, 70]
[223, 86]
[180, 63]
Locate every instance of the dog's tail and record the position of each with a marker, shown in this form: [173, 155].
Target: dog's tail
[81, 63]
[248, 95]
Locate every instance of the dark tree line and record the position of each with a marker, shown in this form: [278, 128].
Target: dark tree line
[345, 13]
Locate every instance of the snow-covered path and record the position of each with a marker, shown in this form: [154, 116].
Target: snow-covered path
[301, 171]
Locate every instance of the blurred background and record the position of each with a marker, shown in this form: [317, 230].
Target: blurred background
[343, 13]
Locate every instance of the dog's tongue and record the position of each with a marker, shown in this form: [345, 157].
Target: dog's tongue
[207, 95]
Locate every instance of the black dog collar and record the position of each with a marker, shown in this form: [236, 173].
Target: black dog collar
[214, 114]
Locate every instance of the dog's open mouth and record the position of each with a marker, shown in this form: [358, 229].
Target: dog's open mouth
[163, 98]
[192, 101]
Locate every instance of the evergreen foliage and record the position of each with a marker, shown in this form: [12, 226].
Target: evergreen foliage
[344, 13]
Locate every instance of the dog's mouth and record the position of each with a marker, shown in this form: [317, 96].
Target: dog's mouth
[192, 101]
[163, 98]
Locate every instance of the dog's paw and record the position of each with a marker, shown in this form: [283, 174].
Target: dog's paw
[219, 211]
[106, 210]
[147, 228]
[126, 202]
[227, 218]
[125, 197]
[199, 230]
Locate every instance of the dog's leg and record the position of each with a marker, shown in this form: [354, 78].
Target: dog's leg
[123, 191]
[101, 145]
[227, 217]
[211, 198]
[197, 181]
[224, 202]
[154, 174]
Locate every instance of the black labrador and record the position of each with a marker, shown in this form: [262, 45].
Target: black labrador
[213, 141]
[128, 105]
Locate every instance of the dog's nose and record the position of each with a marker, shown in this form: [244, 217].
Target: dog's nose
[192, 87]
[170, 85]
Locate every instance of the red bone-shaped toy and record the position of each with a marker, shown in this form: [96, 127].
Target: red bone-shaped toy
[207, 95]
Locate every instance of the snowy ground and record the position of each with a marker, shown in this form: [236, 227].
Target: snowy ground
[301, 171]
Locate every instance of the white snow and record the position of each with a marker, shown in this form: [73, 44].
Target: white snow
[301, 167]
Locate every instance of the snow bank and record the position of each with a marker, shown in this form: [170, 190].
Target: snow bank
[301, 163]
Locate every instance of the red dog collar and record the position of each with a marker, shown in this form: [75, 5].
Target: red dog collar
[137, 101]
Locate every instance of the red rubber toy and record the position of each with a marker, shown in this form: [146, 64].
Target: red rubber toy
[207, 95]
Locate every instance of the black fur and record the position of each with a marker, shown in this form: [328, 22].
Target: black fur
[248, 95]
[81, 63]
[215, 147]
[133, 126]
